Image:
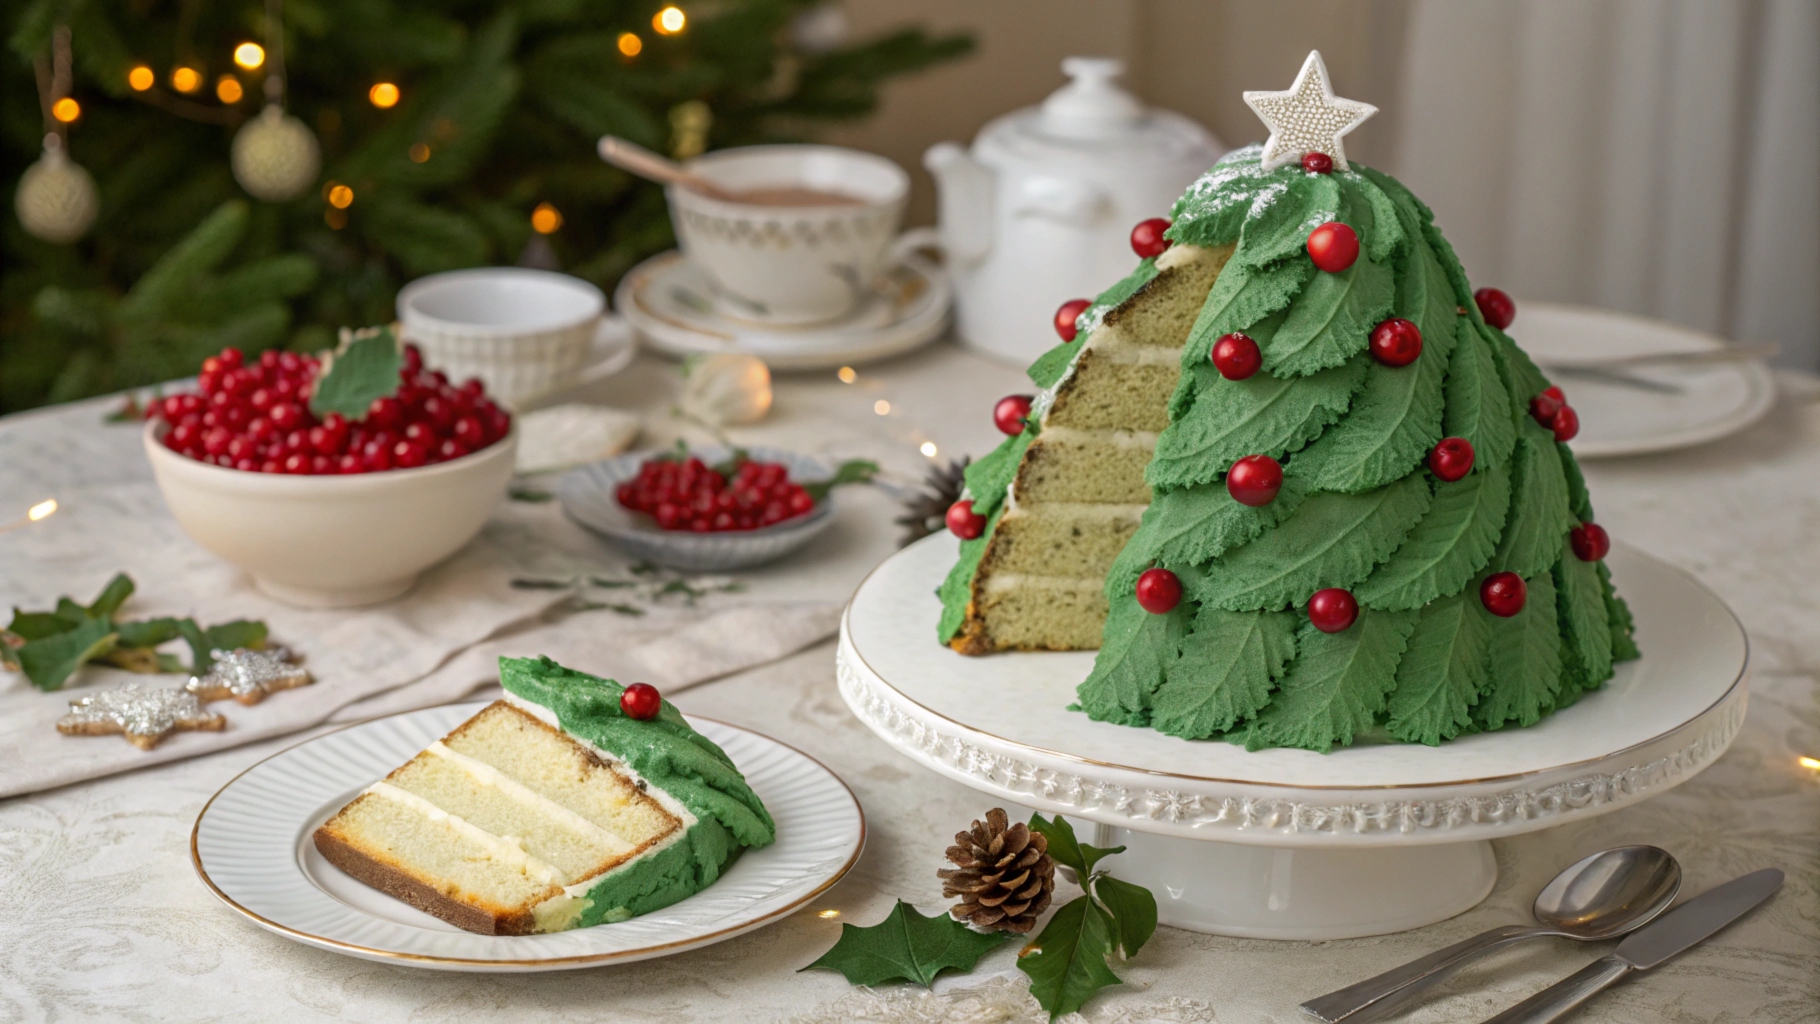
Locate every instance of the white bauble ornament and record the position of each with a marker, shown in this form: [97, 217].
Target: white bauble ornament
[275, 156]
[726, 389]
[56, 201]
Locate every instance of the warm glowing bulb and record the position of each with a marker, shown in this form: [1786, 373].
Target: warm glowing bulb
[42, 510]
[1805, 762]
[630, 44]
[545, 218]
[826, 915]
[249, 55]
[669, 21]
[384, 95]
[341, 197]
[928, 449]
[882, 407]
[186, 79]
[141, 78]
[420, 152]
[847, 375]
[228, 89]
[66, 110]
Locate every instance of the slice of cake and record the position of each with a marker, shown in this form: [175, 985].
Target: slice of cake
[550, 809]
[1292, 479]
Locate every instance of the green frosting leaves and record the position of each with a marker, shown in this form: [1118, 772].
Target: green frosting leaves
[1477, 402]
[1134, 657]
[1338, 684]
[1442, 672]
[1447, 548]
[1539, 518]
[1196, 525]
[1225, 670]
[1261, 415]
[1331, 320]
[1525, 660]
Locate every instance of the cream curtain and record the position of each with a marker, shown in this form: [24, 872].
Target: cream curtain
[1655, 156]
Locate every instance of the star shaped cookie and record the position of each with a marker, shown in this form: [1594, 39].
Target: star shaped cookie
[143, 714]
[247, 675]
[1307, 117]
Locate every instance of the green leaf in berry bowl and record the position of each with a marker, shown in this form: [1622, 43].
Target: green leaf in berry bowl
[589, 496]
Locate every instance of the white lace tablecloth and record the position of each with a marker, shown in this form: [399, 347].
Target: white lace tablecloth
[102, 917]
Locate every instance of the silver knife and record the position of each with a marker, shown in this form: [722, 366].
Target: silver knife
[1686, 926]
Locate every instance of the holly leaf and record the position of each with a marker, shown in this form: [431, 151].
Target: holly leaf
[1333, 540]
[149, 633]
[1135, 653]
[1539, 517]
[1525, 660]
[37, 625]
[1261, 414]
[364, 368]
[1579, 501]
[223, 637]
[1067, 850]
[853, 471]
[1225, 671]
[1442, 672]
[1280, 230]
[906, 946]
[1337, 685]
[1454, 540]
[1133, 910]
[1067, 962]
[143, 660]
[50, 661]
[112, 596]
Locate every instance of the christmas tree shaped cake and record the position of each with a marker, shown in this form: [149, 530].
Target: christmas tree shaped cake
[1290, 477]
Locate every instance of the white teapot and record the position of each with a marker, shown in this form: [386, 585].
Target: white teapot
[1041, 210]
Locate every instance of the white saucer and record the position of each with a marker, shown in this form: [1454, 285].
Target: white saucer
[670, 303]
[1716, 399]
[252, 847]
[1381, 836]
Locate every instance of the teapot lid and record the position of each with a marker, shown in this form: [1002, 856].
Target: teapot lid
[1093, 117]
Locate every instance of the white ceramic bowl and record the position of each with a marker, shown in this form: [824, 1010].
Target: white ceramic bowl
[523, 332]
[791, 265]
[333, 541]
[589, 496]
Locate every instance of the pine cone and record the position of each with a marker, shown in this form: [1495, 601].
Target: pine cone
[925, 512]
[1004, 875]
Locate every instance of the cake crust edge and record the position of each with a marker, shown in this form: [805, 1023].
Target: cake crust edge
[401, 884]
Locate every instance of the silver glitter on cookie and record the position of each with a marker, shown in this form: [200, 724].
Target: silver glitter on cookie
[143, 713]
[247, 675]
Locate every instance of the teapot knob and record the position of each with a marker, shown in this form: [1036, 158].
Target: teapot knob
[1091, 105]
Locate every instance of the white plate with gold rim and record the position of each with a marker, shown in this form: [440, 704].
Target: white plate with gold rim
[672, 305]
[251, 846]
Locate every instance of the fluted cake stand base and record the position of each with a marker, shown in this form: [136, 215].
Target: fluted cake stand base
[1373, 838]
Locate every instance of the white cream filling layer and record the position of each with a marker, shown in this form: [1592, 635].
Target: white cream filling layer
[1079, 510]
[1082, 435]
[486, 775]
[505, 849]
[1003, 581]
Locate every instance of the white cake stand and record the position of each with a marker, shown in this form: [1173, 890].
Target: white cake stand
[1290, 844]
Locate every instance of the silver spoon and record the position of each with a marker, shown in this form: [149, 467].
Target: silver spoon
[630, 156]
[1598, 897]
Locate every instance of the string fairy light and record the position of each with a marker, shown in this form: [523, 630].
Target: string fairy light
[340, 196]
[882, 407]
[249, 55]
[141, 78]
[228, 89]
[383, 95]
[66, 110]
[37, 513]
[669, 21]
[1808, 762]
[928, 449]
[546, 219]
[847, 374]
[420, 152]
[827, 915]
[186, 79]
[630, 44]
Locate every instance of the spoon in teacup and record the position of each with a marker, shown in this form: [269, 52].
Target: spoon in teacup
[1598, 897]
[630, 156]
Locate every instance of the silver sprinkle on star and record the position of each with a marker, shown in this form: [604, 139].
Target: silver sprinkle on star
[143, 714]
[247, 675]
[1307, 117]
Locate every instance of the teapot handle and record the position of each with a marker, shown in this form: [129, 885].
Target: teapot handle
[1067, 200]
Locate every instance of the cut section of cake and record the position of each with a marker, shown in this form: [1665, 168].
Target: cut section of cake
[550, 809]
[1065, 500]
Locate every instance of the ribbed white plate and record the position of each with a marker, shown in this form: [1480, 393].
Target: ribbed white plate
[252, 848]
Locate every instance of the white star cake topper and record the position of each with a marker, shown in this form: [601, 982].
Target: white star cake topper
[1307, 117]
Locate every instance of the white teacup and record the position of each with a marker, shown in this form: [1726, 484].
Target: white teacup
[523, 332]
[798, 264]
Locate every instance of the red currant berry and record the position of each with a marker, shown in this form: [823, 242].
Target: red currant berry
[1503, 594]
[449, 449]
[1566, 424]
[286, 415]
[409, 455]
[413, 359]
[469, 431]
[385, 414]
[1008, 415]
[963, 522]
[419, 431]
[1451, 459]
[1495, 306]
[1254, 480]
[1317, 163]
[1147, 238]
[1236, 356]
[1065, 317]
[1396, 342]
[1545, 406]
[376, 456]
[1333, 610]
[1591, 542]
[297, 464]
[439, 412]
[1158, 590]
[641, 701]
[1333, 246]
[348, 464]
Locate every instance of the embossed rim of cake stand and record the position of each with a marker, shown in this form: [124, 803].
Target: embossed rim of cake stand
[1278, 814]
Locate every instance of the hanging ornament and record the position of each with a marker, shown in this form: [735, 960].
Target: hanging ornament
[56, 201]
[1307, 117]
[275, 157]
